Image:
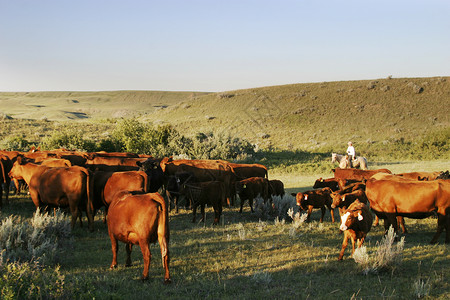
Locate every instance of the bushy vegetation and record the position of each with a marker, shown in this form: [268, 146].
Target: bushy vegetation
[29, 250]
[387, 257]
[40, 239]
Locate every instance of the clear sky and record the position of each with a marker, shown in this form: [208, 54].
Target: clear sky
[217, 45]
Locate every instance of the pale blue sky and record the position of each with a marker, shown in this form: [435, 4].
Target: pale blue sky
[199, 45]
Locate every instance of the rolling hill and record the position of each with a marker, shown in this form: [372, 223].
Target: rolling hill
[295, 116]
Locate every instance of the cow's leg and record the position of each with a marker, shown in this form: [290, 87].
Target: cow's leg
[332, 213]
[163, 244]
[147, 257]
[75, 213]
[250, 202]
[353, 239]
[401, 223]
[114, 249]
[323, 209]
[202, 209]
[217, 212]
[128, 247]
[308, 217]
[442, 223]
[447, 228]
[377, 220]
[391, 219]
[8, 183]
[344, 244]
[194, 212]
[242, 204]
[1, 195]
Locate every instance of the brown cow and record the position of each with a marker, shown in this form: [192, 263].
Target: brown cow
[319, 198]
[56, 162]
[342, 202]
[410, 198]
[5, 166]
[332, 183]
[203, 170]
[139, 219]
[420, 175]
[61, 187]
[244, 171]
[124, 181]
[276, 188]
[250, 188]
[356, 223]
[202, 193]
[356, 174]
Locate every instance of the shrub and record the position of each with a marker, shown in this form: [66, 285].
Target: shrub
[386, 257]
[29, 280]
[69, 138]
[39, 240]
[17, 143]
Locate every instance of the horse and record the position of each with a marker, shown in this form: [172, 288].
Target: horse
[344, 162]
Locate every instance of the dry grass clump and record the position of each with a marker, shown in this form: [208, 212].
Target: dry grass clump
[39, 240]
[387, 256]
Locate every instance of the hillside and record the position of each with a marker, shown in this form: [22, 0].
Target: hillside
[320, 114]
[297, 116]
[63, 106]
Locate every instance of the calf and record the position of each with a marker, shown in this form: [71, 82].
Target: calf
[343, 201]
[355, 223]
[202, 193]
[276, 188]
[250, 188]
[139, 219]
[332, 183]
[315, 199]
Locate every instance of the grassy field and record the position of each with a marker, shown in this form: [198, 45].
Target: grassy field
[246, 257]
[295, 127]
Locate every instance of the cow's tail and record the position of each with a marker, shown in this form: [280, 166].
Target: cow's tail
[3, 172]
[146, 182]
[163, 229]
[90, 198]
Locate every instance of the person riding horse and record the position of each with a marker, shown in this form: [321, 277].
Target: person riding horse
[351, 153]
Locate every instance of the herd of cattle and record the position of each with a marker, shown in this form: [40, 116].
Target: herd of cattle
[127, 186]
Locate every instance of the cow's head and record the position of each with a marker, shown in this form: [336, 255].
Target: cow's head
[350, 218]
[302, 199]
[17, 169]
[337, 200]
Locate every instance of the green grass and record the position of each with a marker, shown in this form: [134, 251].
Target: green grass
[248, 258]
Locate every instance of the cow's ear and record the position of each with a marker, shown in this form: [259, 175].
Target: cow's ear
[360, 217]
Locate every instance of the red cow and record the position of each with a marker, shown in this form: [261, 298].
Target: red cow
[390, 197]
[244, 171]
[124, 181]
[139, 219]
[356, 174]
[61, 187]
